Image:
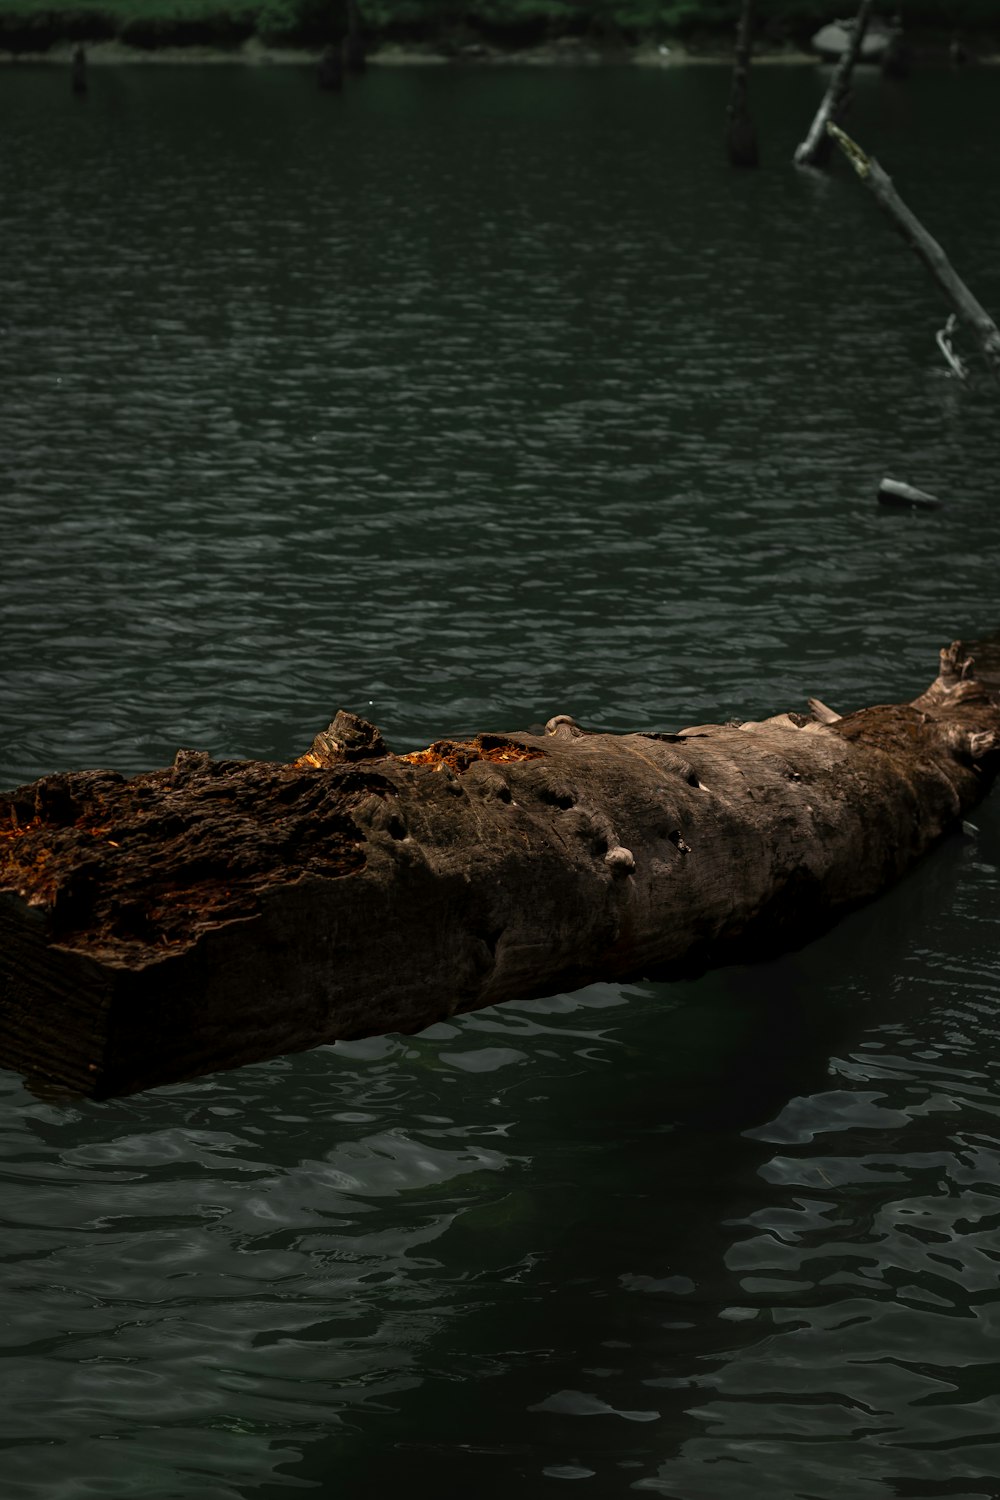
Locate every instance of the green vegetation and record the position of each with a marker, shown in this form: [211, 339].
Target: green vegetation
[36, 25]
[33, 27]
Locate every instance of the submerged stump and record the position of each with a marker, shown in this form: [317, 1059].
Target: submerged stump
[741, 137]
[221, 912]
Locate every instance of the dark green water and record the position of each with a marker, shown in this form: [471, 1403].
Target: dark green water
[460, 401]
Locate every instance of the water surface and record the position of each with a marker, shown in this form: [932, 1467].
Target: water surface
[462, 400]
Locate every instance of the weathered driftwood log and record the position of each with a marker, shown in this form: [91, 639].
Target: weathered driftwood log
[971, 312]
[741, 137]
[814, 151]
[220, 912]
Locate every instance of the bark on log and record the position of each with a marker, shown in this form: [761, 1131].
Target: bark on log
[814, 151]
[971, 311]
[221, 912]
[741, 139]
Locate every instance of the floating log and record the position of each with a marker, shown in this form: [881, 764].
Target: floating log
[220, 912]
[814, 151]
[894, 492]
[969, 310]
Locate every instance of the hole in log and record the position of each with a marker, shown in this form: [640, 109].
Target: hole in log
[396, 828]
[554, 796]
[491, 939]
[20, 821]
[692, 779]
[678, 842]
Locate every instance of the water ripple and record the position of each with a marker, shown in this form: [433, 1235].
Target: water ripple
[474, 398]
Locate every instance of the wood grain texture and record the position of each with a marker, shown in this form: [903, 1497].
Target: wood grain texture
[220, 912]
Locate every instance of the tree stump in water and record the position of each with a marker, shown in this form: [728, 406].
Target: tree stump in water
[355, 56]
[330, 72]
[741, 140]
[222, 912]
[78, 72]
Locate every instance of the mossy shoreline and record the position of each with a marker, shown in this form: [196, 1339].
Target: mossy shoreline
[671, 52]
[414, 31]
[253, 53]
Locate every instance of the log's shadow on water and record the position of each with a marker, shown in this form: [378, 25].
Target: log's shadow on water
[606, 1285]
[531, 1244]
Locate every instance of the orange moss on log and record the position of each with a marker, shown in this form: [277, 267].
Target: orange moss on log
[122, 866]
[459, 755]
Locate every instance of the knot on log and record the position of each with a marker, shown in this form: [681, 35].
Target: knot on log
[189, 764]
[621, 860]
[562, 724]
[955, 666]
[956, 683]
[858, 159]
[973, 747]
[348, 738]
[821, 713]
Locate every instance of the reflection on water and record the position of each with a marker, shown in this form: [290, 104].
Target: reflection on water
[472, 399]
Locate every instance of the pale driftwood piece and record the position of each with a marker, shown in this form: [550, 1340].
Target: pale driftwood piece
[814, 151]
[971, 312]
[821, 713]
[221, 912]
[943, 337]
[741, 137]
[893, 492]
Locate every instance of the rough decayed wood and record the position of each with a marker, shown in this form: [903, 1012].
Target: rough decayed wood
[814, 151]
[971, 311]
[219, 912]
